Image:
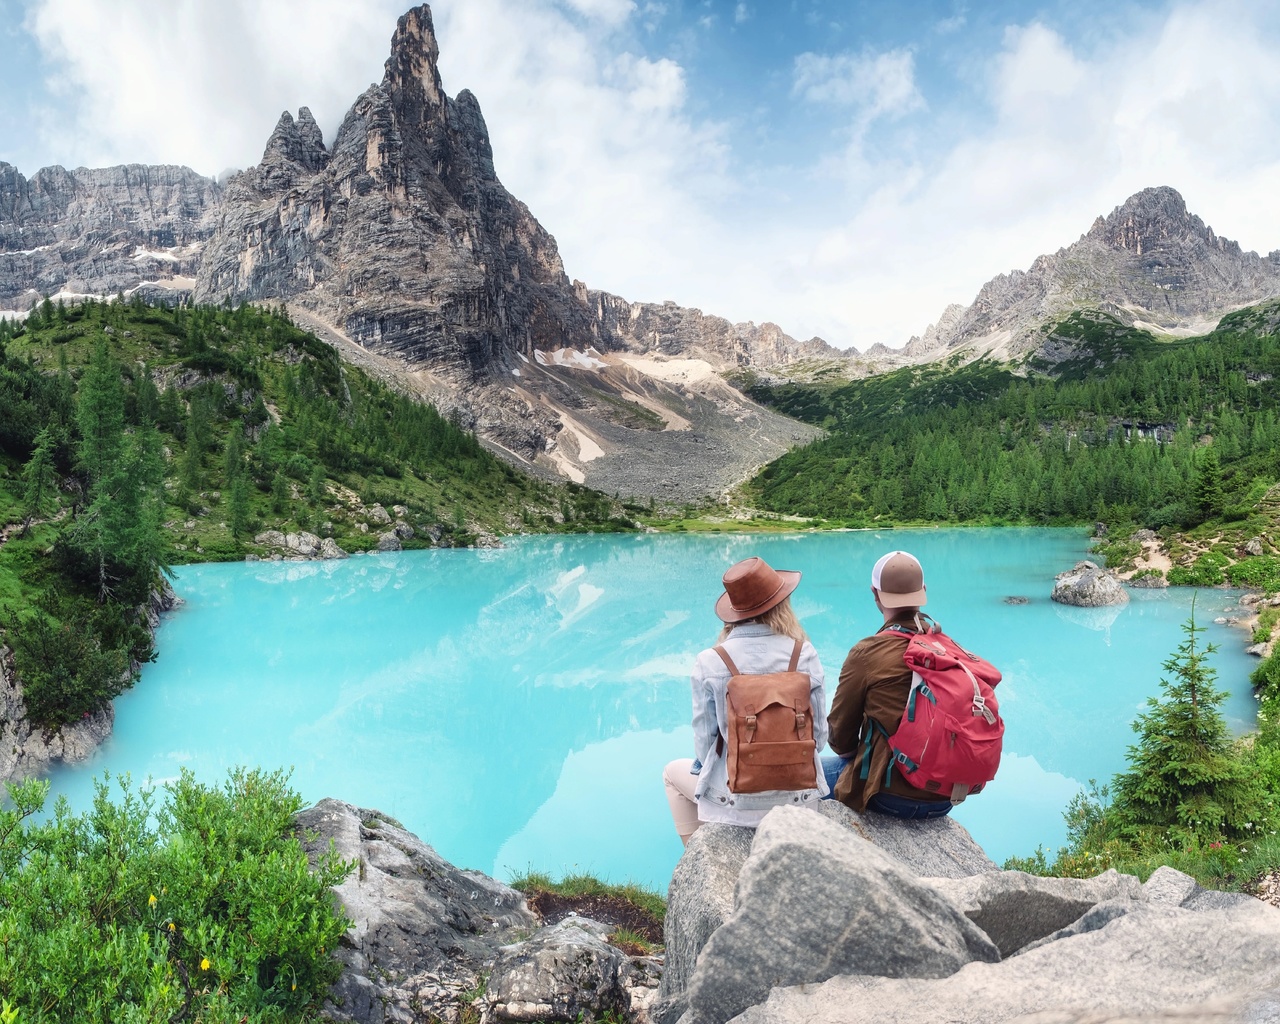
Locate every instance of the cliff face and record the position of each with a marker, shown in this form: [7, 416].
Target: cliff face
[678, 331]
[101, 231]
[1149, 261]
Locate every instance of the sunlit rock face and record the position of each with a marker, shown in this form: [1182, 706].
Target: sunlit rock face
[400, 233]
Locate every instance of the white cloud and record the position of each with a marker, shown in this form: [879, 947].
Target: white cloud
[202, 82]
[877, 84]
[741, 13]
[1191, 100]
[611, 11]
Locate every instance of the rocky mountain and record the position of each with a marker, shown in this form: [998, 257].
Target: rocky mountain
[398, 243]
[1150, 263]
[99, 232]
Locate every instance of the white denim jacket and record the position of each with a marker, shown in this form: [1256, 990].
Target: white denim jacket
[755, 649]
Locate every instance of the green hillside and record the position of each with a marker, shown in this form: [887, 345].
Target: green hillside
[135, 437]
[1158, 433]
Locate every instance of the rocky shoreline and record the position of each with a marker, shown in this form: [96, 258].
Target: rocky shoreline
[815, 916]
[27, 750]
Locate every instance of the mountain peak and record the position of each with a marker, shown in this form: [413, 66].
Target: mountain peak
[296, 142]
[1150, 219]
[412, 78]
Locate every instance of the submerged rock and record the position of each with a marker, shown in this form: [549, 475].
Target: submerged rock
[1088, 586]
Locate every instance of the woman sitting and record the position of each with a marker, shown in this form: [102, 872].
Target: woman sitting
[761, 636]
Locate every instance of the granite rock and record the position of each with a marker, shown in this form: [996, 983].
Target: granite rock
[700, 897]
[814, 901]
[568, 972]
[1015, 908]
[701, 894]
[1088, 586]
[1155, 963]
[424, 931]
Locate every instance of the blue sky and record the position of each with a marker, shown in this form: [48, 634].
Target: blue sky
[841, 168]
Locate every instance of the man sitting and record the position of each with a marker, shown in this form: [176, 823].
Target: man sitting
[874, 686]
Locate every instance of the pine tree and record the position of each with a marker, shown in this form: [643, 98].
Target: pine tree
[238, 505]
[100, 416]
[1208, 494]
[1181, 772]
[40, 481]
[279, 493]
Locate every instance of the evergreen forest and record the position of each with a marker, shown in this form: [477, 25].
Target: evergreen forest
[1130, 429]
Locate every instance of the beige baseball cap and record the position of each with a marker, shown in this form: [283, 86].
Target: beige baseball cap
[899, 580]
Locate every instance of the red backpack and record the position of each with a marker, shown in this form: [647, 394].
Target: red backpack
[950, 736]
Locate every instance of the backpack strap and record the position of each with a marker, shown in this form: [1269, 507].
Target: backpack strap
[733, 669]
[728, 661]
[874, 731]
[926, 624]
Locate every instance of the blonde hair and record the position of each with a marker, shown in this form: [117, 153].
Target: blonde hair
[781, 618]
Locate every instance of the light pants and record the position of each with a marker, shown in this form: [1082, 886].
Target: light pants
[679, 783]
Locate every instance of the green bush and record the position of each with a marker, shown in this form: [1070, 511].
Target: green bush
[1205, 571]
[1261, 571]
[205, 911]
[74, 655]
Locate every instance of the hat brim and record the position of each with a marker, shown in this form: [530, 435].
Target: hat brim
[726, 612]
[912, 600]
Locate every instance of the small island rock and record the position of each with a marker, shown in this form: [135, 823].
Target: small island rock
[1088, 586]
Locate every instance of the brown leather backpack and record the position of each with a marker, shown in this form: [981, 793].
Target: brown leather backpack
[770, 721]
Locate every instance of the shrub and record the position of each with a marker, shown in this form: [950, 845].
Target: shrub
[1261, 571]
[205, 911]
[1205, 571]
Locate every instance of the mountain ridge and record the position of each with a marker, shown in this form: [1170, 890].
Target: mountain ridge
[1150, 262]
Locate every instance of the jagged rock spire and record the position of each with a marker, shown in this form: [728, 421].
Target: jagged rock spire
[412, 79]
[299, 142]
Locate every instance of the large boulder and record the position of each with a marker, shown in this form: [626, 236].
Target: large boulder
[1015, 908]
[701, 895]
[1088, 586]
[1155, 963]
[934, 848]
[329, 549]
[815, 901]
[424, 931]
[568, 972]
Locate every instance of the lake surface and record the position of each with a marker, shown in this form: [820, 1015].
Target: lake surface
[515, 707]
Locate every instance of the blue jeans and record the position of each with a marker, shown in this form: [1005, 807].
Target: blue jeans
[831, 768]
[886, 803]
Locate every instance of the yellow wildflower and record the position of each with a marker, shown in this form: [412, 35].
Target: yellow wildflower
[204, 964]
[151, 900]
[172, 927]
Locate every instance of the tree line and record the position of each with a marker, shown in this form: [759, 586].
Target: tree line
[1169, 439]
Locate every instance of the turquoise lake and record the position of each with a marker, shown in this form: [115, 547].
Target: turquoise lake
[515, 707]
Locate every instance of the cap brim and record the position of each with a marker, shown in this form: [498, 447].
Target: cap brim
[913, 600]
[726, 612]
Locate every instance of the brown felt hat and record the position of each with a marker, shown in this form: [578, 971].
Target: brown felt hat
[752, 587]
[899, 580]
